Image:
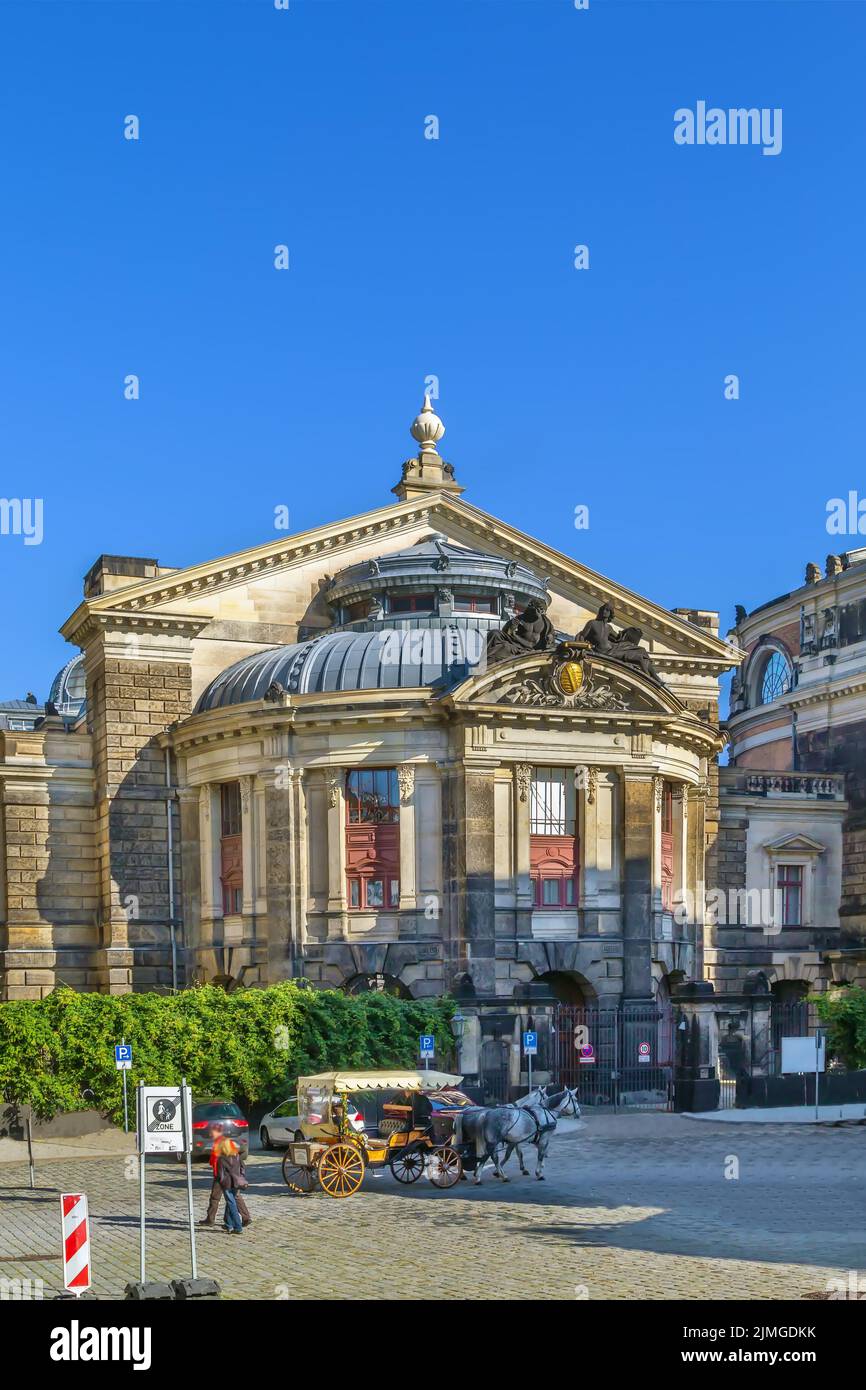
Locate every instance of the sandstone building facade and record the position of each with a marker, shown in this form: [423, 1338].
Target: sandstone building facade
[298, 762]
[793, 798]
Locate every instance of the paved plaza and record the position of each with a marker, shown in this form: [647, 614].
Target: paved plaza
[635, 1207]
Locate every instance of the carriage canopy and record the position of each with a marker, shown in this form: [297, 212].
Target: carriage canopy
[395, 1079]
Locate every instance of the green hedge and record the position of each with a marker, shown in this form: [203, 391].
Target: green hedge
[250, 1045]
[843, 1014]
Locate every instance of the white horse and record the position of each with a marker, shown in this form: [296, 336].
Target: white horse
[493, 1128]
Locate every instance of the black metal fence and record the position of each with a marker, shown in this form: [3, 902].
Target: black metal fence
[618, 1057]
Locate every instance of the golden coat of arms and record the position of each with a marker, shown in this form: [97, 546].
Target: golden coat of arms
[568, 671]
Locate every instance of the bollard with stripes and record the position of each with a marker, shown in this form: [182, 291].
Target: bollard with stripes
[76, 1242]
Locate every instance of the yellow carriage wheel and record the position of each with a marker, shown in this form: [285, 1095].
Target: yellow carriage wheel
[341, 1170]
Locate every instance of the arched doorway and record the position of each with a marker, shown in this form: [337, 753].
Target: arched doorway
[567, 987]
[376, 984]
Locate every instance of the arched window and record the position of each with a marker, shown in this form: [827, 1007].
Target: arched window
[775, 678]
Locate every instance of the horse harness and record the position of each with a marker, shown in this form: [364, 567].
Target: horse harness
[542, 1126]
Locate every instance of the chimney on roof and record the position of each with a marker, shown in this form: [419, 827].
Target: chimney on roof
[117, 572]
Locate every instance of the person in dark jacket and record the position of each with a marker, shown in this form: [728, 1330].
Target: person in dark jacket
[230, 1178]
[216, 1192]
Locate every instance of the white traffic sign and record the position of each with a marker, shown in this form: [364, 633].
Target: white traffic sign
[160, 1120]
[644, 1052]
[76, 1241]
[587, 1054]
[123, 1056]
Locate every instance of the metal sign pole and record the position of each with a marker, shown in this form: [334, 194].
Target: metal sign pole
[125, 1105]
[817, 1066]
[142, 1119]
[30, 1148]
[187, 1144]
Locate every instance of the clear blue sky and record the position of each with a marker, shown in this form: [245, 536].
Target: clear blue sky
[411, 256]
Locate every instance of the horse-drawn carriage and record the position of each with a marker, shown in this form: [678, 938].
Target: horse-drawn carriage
[415, 1134]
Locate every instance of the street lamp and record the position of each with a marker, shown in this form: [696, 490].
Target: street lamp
[458, 1028]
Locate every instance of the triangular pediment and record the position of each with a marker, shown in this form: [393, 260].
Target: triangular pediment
[794, 844]
[255, 585]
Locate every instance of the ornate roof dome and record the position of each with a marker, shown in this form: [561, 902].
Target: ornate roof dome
[68, 691]
[408, 657]
[417, 618]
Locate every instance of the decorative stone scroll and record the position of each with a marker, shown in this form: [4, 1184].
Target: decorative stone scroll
[523, 773]
[406, 780]
[333, 780]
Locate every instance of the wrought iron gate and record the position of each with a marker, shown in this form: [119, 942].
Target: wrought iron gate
[619, 1057]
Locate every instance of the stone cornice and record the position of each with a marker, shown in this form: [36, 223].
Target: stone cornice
[86, 622]
[439, 510]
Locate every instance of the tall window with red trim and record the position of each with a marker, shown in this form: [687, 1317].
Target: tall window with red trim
[667, 866]
[553, 848]
[372, 839]
[231, 850]
[789, 882]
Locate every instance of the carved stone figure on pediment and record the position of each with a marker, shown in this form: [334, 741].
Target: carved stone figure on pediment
[624, 646]
[529, 631]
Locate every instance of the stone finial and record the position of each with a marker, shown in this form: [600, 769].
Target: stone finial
[813, 573]
[427, 428]
[428, 471]
[834, 565]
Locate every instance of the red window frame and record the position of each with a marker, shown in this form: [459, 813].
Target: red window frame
[474, 603]
[411, 603]
[231, 849]
[372, 840]
[553, 845]
[790, 882]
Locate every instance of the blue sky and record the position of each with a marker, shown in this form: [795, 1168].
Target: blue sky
[410, 256]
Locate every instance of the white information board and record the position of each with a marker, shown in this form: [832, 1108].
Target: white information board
[799, 1054]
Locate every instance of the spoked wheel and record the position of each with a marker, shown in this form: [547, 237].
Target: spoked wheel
[299, 1178]
[407, 1165]
[341, 1170]
[444, 1166]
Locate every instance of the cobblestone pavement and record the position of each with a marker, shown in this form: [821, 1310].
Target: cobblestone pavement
[635, 1207]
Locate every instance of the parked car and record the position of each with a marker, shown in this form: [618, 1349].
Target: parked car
[282, 1124]
[227, 1117]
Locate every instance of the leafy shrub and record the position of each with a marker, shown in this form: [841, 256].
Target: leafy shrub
[57, 1053]
[843, 1014]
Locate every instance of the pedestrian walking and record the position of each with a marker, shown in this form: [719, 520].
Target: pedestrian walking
[216, 1192]
[230, 1176]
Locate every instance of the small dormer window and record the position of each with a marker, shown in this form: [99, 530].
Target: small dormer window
[411, 603]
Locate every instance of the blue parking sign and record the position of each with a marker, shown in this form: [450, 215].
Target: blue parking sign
[428, 1047]
[530, 1043]
[123, 1056]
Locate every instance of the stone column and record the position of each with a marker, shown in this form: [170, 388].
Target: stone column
[248, 902]
[207, 854]
[521, 806]
[259, 855]
[638, 823]
[408, 893]
[478, 839]
[279, 850]
[695, 848]
[337, 906]
[189, 899]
